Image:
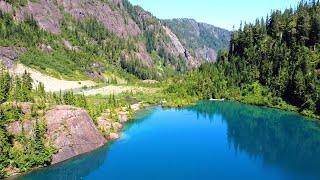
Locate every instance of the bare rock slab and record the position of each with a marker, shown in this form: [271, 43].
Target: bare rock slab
[73, 132]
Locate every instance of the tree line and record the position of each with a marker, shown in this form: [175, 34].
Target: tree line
[273, 62]
[24, 151]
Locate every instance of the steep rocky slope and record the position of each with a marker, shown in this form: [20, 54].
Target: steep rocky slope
[48, 14]
[203, 40]
[132, 39]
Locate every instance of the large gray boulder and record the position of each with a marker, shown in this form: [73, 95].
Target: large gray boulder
[73, 132]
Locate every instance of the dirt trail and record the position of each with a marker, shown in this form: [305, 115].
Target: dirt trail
[50, 84]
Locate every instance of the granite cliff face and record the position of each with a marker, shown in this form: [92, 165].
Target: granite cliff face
[72, 131]
[118, 17]
[45, 12]
[111, 14]
[48, 14]
[124, 35]
[201, 39]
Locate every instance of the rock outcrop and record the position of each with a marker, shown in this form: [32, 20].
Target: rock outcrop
[45, 47]
[185, 48]
[8, 55]
[114, 136]
[177, 48]
[16, 127]
[207, 54]
[96, 76]
[73, 132]
[48, 14]
[111, 17]
[143, 55]
[68, 46]
[5, 7]
[201, 39]
[45, 12]
[110, 127]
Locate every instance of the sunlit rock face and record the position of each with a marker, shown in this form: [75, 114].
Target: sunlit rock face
[72, 131]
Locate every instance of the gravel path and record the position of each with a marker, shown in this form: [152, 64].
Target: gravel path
[51, 84]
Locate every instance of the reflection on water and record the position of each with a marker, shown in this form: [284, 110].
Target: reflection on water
[82, 166]
[73, 169]
[210, 140]
[281, 138]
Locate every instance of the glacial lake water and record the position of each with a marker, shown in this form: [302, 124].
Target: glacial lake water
[209, 140]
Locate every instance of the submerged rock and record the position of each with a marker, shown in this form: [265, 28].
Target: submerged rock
[73, 132]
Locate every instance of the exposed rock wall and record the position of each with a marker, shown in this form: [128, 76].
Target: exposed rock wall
[177, 48]
[45, 12]
[26, 125]
[111, 17]
[5, 7]
[73, 132]
[8, 55]
[48, 14]
[143, 55]
[203, 40]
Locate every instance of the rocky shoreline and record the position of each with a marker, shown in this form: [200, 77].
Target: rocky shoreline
[110, 123]
[73, 132]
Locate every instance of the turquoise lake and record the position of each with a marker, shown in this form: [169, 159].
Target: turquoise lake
[209, 140]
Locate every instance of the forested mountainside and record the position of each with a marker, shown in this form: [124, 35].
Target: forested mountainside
[203, 41]
[84, 36]
[273, 62]
[38, 128]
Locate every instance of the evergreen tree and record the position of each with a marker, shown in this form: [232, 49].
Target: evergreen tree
[5, 85]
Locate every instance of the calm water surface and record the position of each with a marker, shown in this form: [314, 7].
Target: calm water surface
[210, 140]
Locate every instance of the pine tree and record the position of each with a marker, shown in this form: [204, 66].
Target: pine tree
[5, 85]
[303, 25]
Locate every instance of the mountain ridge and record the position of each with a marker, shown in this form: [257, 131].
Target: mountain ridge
[202, 39]
[154, 51]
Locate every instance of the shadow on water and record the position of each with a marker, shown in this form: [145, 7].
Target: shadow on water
[141, 116]
[76, 168]
[284, 140]
[277, 137]
[81, 166]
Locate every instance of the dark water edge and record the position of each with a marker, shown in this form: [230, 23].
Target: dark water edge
[70, 167]
[96, 156]
[209, 140]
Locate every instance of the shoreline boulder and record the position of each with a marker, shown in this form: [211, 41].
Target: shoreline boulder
[73, 132]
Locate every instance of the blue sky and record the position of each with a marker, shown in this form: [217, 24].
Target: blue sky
[221, 13]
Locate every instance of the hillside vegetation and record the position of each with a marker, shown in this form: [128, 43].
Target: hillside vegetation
[203, 41]
[105, 35]
[24, 140]
[273, 62]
